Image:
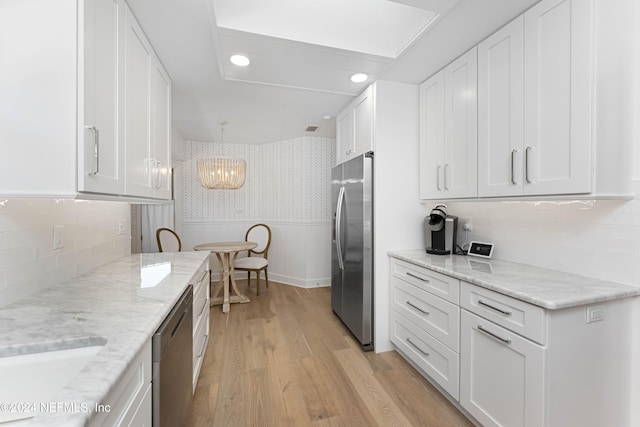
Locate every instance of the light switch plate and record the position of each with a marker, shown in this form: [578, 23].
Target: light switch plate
[595, 313]
[122, 226]
[58, 237]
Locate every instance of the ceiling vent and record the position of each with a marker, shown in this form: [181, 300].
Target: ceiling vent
[311, 128]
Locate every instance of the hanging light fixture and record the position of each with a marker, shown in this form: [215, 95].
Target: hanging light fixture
[221, 172]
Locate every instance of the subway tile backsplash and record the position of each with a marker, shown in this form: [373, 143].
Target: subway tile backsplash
[28, 261]
[596, 238]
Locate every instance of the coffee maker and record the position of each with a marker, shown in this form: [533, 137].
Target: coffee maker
[440, 231]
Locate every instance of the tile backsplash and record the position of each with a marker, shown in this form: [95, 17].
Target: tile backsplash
[28, 261]
[596, 238]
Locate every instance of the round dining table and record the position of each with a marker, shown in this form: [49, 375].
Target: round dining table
[227, 253]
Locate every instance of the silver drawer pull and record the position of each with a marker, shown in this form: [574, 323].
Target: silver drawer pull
[204, 273]
[203, 306]
[416, 347]
[506, 313]
[204, 345]
[418, 277]
[504, 340]
[417, 308]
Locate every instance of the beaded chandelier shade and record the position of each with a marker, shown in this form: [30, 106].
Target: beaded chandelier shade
[222, 172]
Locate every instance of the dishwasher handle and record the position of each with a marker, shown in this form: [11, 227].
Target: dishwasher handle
[182, 310]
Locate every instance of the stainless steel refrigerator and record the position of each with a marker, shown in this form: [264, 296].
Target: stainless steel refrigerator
[352, 246]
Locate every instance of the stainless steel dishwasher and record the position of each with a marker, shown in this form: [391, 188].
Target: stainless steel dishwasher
[172, 349]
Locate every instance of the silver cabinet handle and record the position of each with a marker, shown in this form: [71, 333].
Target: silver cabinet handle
[417, 277]
[417, 308]
[506, 313]
[204, 345]
[158, 174]
[526, 164]
[204, 304]
[416, 347]
[438, 178]
[446, 168]
[204, 273]
[513, 161]
[96, 149]
[504, 340]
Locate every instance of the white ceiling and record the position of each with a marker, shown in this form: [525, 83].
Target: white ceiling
[302, 53]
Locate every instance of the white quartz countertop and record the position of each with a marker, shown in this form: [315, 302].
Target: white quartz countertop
[549, 289]
[120, 304]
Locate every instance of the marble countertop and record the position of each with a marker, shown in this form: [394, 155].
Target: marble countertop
[549, 289]
[120, 304]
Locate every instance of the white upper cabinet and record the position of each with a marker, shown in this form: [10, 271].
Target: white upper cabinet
[101, 139]
[354, 128]
[63, 96]
[557, 97]
[501, 111]
[534, 103]
[147, 100]
[448, 131]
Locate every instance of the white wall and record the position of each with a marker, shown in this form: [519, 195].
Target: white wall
[27, 260]
[287, 187]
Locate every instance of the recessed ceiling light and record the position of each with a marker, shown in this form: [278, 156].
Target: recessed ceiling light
[239, 60]
[359, 78]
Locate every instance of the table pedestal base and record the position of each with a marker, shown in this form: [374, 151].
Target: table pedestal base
[228, 278]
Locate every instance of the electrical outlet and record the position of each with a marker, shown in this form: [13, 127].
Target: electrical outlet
[58, 237]
[122, 226]
[466, 224]
[595, 313]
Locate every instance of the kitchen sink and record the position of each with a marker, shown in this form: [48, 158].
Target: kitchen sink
[30, 381]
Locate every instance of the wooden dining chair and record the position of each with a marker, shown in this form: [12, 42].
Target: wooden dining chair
[168, 240]
[256, 259]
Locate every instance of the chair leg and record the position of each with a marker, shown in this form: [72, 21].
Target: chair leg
[266, 277]
[248, 278]
[258, 283]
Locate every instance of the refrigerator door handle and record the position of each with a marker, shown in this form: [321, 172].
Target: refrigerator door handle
[339, 227]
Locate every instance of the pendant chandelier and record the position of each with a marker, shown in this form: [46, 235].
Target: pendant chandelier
[222, 172]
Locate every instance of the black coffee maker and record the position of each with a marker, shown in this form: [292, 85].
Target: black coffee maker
[440, 231]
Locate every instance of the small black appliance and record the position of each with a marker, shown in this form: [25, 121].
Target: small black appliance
[440, 231]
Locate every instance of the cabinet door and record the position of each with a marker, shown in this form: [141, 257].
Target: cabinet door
[501, 375]
[432, 137]
[139, 162]
[557, 97]
[363, 123]
[344, 132]
[100, 142]
[461, 127]
[500, 112]
[160, 130]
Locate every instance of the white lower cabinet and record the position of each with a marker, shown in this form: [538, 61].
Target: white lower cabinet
[129, 404]
[510, 363]
[501, 374]
[201, 298]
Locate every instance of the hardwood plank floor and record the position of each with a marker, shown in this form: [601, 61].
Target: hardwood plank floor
[286, 360]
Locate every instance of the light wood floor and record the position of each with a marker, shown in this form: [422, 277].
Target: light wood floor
[286, 360]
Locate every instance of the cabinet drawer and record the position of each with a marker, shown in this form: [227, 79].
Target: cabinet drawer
[518, 316]
[444, 286]
[429, 354]
[201, 278]
[436, 316]
[200, 339]
[200, 304]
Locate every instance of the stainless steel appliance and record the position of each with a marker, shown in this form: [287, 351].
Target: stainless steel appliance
[352, 246]
[440, 231]
[172, 353]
